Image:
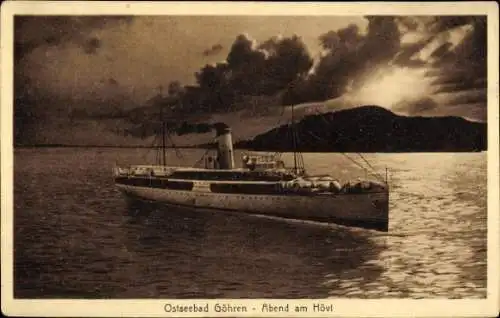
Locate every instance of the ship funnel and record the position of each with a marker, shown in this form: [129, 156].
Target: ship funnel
[224, 146]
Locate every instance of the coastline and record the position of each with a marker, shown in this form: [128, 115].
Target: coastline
[204, 146]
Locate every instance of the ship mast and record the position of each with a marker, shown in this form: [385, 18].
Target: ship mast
[298, 160]
[294, 143]
[163, 131]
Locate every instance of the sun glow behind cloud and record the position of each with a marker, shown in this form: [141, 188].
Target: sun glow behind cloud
[389, 87]
[394, 86]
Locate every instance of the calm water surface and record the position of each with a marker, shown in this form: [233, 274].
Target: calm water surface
[76, 237]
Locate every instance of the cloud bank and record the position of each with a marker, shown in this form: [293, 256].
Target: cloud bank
[432, 66]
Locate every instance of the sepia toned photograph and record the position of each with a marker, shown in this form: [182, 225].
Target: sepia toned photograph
[250, 156]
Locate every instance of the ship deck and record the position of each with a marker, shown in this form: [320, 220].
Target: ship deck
[229, 186]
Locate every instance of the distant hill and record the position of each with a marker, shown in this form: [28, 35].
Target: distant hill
[373, 129]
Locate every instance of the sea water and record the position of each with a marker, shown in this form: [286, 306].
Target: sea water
[75, 235]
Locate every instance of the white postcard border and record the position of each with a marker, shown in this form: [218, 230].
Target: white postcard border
[156, 308]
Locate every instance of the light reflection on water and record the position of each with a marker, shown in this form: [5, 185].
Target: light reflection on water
[76, 236]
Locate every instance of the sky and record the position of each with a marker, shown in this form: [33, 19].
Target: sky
[419, 66]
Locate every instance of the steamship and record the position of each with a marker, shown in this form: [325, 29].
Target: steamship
[263, 185]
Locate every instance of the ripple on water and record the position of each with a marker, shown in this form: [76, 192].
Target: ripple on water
[75, 236]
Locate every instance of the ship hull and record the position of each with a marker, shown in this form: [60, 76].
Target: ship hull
[364, 210]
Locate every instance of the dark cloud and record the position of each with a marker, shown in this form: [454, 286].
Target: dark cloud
[460, 81]
[415, 63]
[432, 73]
[479, 82]
[251, 69]
[470, 53]
[266, 68]
[473, 97]
[445, 23]
[408, 23]
[110, 81]
[31, 32]
[350, 54]
[383, 38]
[175, 88]
[269, 45]
[92, 45]
[243, 52]
[442, 51]
[453, 77]
[462, 70]
[465, 66]
[349, 37]
[453, 87]
[286, 61]
[213, 50]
